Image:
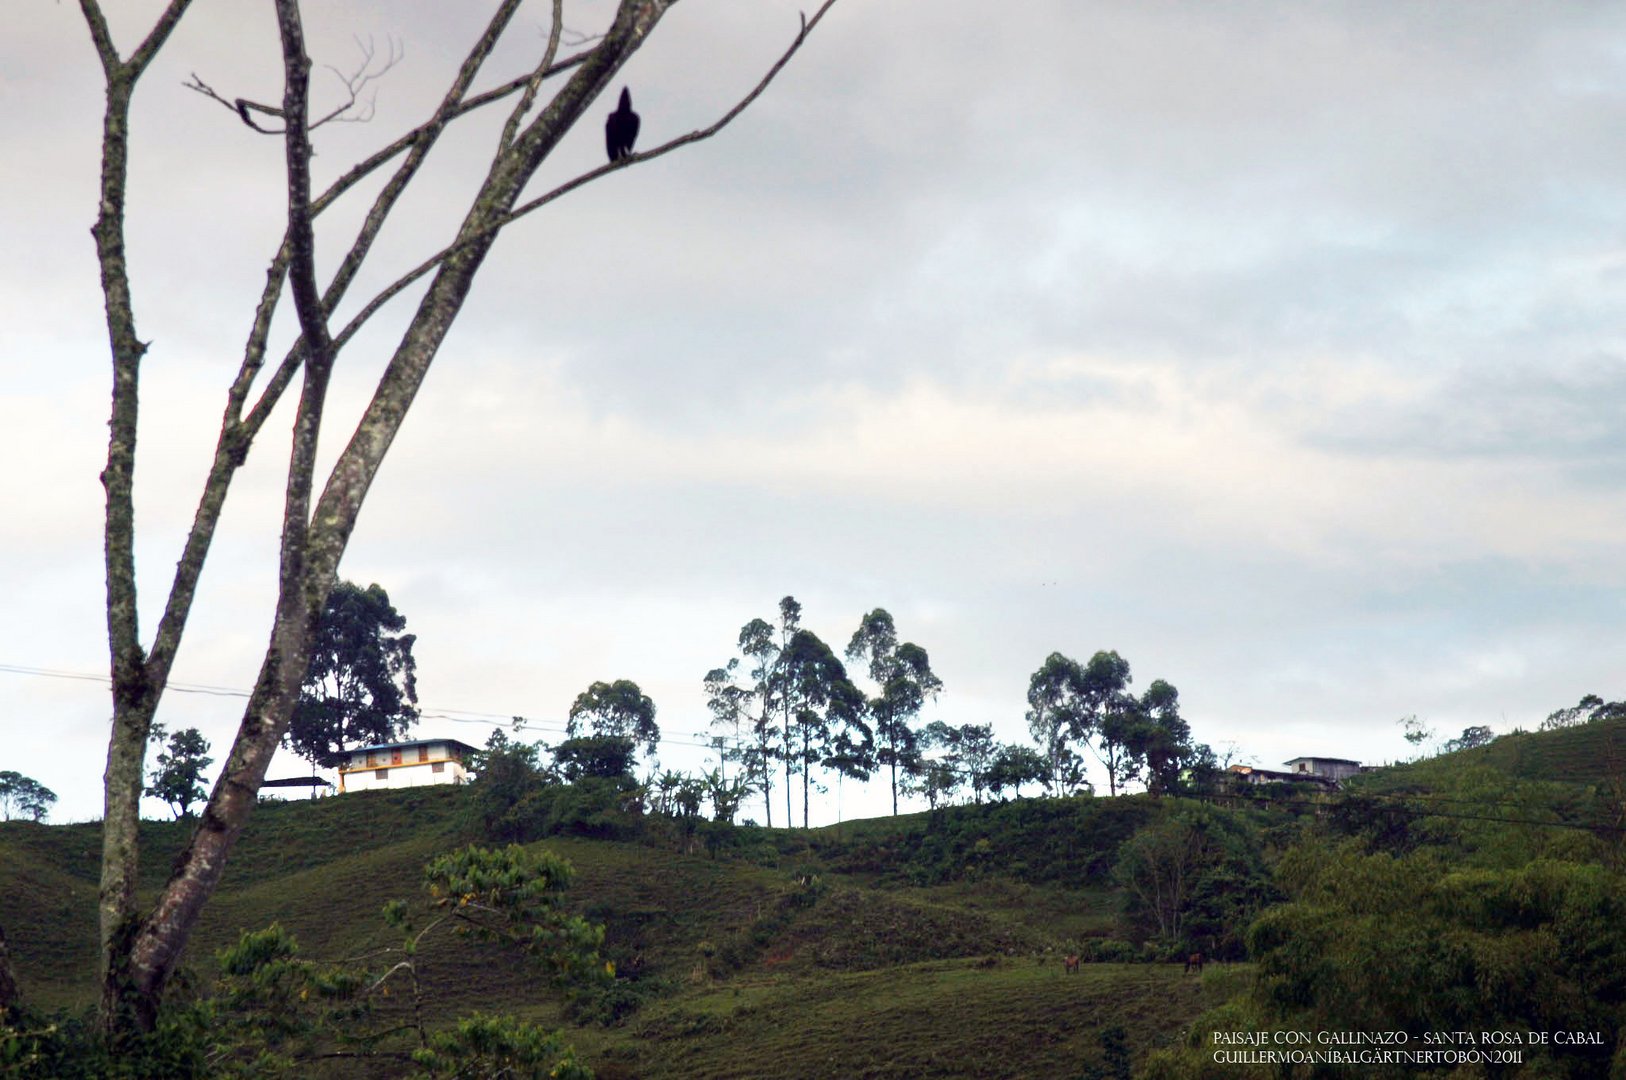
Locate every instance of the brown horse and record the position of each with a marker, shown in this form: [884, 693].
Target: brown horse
[1070, 963]
[1195, 960]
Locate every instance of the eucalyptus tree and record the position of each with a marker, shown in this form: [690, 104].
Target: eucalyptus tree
[545, 101]
[1057, 718]
[761, 703]
[780, 694]
[904, 679]
[756, 644]
[1113, 714]
[1165, 738]
[825, 711]
[729, 704]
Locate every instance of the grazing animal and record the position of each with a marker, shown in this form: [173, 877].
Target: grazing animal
[621, 129]
[1070, 963]
[1195, 960]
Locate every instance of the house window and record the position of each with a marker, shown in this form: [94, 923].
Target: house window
[372, 759]
[382, 774]
[439, 766]
[423, 753]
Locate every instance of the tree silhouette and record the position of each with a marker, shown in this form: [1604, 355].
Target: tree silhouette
[361, 688]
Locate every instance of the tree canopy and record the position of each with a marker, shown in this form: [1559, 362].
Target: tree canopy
[23, 796]
[902, 673]
[615, 710]
[361, 688]
[178, 778]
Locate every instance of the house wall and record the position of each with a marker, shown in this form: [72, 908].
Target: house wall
[412, 766]
[1332, 770]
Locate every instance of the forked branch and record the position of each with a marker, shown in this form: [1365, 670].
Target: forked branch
[355, 83]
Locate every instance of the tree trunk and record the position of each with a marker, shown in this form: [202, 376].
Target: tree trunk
[139, 957]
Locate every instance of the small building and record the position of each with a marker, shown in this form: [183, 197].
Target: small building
[1336, 769]
[1325, 772]
[406, 764]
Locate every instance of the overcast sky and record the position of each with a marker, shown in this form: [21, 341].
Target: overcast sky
[1276, 346]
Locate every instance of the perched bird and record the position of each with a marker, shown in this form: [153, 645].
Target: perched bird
[621, 129]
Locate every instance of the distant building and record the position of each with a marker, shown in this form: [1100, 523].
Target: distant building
[1336, 769]
[406, 764]
[1327, 772]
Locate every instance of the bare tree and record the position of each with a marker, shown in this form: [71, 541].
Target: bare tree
[140, 950]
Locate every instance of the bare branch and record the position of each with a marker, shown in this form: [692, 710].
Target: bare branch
[155, 40]
[354, 84]
[101, 36]
[359, 80]
[365, 168]
[301, 235]
[237, 432]
[241, 106]
[108, 51]
[416, 273]
[511, 128]
[318, 346]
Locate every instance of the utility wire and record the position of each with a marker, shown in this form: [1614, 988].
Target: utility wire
[456, 716]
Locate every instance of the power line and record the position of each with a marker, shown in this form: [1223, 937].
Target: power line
[456, 716]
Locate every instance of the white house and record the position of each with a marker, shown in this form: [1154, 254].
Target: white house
[406, 764]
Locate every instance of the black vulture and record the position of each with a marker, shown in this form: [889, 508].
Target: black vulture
[621, 129]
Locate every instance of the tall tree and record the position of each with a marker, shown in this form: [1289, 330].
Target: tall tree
[823, 703]
[1058, 717]
[729, 705]
[1164, 740]
[904, 679]
[178, 778]
[615, 710]
[790, 621]
[138, 952]
[756, 643]
[763, 644]
[361, 687]
[23, 796]
[1113, 714]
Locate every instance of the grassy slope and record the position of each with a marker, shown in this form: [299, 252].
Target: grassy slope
[762, 971]
[1588, 754]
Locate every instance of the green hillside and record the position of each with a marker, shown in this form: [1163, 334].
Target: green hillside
[930, 945]
[1593, 753]
[787, 954]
